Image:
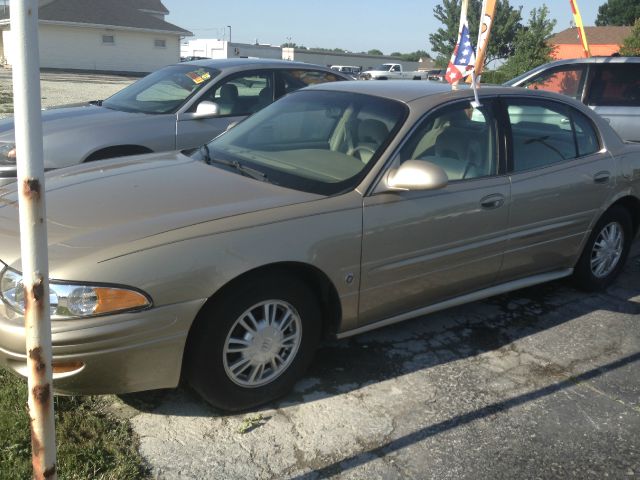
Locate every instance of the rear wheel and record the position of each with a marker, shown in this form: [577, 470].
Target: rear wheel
[254, 343]
[606, 250]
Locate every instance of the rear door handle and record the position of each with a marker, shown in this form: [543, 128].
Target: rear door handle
[601, 177]
[495, 200]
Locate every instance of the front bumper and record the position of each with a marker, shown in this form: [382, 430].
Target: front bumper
[115, 354]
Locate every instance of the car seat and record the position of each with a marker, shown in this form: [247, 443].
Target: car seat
[228, 99]
[371, 133]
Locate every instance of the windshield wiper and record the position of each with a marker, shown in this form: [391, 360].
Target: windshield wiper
[243, 169]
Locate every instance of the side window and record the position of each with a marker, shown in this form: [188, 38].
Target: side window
[542, 134]
[615, 84]
[242, 95]
[586, 137]
[460, 139]
[295, 79]
[567, 80]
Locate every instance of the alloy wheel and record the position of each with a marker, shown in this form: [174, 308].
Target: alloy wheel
[262, 343]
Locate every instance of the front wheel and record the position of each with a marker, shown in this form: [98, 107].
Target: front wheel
[606, 250]
[254, 343]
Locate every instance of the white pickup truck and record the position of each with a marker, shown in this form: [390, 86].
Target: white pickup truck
[392, 71]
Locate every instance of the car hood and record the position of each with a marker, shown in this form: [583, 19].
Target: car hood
[72, 119]
[103, 208]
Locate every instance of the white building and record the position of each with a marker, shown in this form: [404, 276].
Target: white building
[213, 48]
[114, 35]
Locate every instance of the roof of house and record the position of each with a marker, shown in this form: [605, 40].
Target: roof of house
[150, 5]
[114, 13]
[595, 36]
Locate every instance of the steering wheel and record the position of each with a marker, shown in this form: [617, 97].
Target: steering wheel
[366, 148]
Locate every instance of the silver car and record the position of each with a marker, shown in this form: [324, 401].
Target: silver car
[608, 85]
[178, 107]
[338, 209]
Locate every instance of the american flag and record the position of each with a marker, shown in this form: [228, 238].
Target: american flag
[463, 59]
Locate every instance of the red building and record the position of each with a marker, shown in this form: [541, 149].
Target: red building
[603, 41]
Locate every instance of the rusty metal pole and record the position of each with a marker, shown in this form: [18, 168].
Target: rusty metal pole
[33, 234]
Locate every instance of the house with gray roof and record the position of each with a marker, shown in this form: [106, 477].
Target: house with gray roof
[98, 35]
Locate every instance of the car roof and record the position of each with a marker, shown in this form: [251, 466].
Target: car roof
[252, 62]
[402, 90]
[572, 61]
[596, 59]
[408, 91]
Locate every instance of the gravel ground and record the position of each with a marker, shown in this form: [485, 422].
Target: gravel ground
[542, 383]
[60, 88]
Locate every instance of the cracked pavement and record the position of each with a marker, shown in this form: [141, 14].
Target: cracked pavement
[538, 383]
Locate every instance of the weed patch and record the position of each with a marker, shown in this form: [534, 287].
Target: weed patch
[91, 444]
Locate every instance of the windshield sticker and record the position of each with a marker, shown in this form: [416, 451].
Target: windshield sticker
[198, 78]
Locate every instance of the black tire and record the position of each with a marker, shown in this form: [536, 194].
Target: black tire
[218, 321]
[616, 217]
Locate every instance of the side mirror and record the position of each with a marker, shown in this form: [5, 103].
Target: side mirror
[206, 109]
[417, 175]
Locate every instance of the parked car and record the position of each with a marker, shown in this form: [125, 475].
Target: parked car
[338, 209]
[350, 70]
[437, 74]
[608, 85]
[191, 58]
[180, 106]
[392, 71]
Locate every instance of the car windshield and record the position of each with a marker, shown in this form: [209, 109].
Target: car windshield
[163, 91]
[316, 141]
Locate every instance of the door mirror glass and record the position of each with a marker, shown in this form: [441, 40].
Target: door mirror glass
[417, 175]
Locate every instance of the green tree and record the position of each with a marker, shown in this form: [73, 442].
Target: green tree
[531, 46]
[411, 57]
[374, 51]
[506, 25]
[332, 50]
[414, 56]
[618, 12]
[631, 45]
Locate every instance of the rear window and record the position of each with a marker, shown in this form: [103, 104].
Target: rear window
[567, 80]
[296, 79]
[615, 84]
[545, 133]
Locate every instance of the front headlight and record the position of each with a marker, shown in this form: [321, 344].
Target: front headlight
[7, 154]
[68, 300]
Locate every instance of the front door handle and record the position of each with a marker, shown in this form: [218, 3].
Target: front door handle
[495, 200]
[601, 177]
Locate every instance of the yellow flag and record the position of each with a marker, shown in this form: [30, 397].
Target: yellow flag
[486, 20]
[578, 19]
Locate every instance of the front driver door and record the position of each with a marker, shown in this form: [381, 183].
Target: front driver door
[422, 247]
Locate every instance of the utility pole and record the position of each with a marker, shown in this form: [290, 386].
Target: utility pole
[33, 235]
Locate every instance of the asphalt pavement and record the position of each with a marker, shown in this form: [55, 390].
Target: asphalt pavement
[542, 383]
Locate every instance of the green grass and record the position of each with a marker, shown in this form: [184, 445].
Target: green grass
[91, 443]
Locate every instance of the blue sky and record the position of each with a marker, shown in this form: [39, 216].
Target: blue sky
[400, 25]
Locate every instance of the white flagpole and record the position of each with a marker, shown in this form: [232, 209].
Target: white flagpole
[33, 235]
